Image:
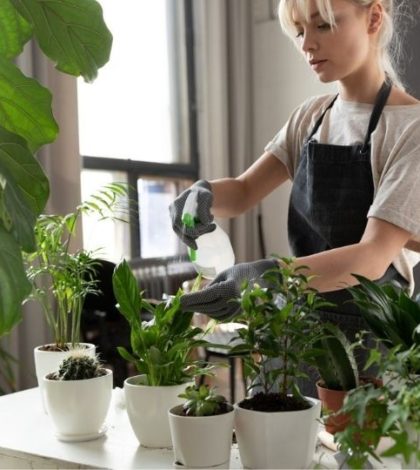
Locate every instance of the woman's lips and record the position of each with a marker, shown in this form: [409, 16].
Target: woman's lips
[317, 64]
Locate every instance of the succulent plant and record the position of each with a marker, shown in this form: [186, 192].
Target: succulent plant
[79, 367]
[203, 401]
[336, 363]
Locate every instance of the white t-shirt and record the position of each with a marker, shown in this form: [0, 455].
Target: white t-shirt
[395, 159]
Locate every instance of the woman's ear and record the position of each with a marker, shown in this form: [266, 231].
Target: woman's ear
[376, 13]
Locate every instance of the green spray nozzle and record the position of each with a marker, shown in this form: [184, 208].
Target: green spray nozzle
[189, 218]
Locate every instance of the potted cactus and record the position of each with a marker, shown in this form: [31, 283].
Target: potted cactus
[201, 428]
[78, 396]
[161, 352]
[277, 427]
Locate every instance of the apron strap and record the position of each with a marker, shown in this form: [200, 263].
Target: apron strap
[380, 103]
[319, 121]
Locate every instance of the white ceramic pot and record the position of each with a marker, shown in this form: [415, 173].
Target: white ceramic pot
[147, 408]
[48, 361]
[282, 439]
[78, 408]
[201, 441]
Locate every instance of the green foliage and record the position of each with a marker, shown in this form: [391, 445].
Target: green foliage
[387, 411]
[60, 279]
[79, 366]
[202, 401]
[162, 347]
[335, 362]
[73, 35]
[389, 311]
[280, 322]
[7, 376]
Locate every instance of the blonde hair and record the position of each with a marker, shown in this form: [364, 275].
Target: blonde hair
[389, 43]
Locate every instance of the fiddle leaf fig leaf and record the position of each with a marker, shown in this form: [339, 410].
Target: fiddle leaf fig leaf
[25, 189]
[14, 286]
[72, 33]
[25, 106]
[15, 30]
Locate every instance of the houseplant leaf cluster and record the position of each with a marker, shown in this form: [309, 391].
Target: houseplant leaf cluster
[161, 348]
[71, 33]
[60, 278]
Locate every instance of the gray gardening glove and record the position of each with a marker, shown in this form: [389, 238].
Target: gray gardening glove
[216, 300]
[204, 217]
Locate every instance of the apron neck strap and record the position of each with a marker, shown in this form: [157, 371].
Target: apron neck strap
[380, 102]
[320, 119]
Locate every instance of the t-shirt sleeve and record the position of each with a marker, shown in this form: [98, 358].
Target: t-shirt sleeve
[397, 197]
[287, 143]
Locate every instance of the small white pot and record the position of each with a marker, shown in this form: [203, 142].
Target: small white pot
[78, 408]
[281, 439]
[48, 361]
[201, 441]
[147, 408]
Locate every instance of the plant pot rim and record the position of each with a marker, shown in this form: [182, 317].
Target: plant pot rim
[172, 412]
[312, 401]
[108, 372]
[332, 390]
[129, 383]
[39, 350]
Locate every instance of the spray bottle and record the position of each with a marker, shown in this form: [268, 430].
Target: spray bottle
[214, 252]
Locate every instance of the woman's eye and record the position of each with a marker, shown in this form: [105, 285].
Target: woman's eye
[299, 34]
[324, 26]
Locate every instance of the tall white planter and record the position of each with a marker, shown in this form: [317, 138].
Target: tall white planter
[78, 408]
[282, 439]
[147, 408]
[48, 361]
[201, 441]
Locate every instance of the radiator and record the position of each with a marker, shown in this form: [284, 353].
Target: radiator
[159, 279]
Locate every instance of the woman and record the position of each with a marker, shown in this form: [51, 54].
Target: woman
[354, 160]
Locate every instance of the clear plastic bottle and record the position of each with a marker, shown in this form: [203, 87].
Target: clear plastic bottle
[214, 251]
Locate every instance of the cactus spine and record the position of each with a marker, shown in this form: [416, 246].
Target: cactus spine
[79, 367]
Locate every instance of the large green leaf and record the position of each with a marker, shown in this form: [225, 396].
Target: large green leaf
[24, 188]
[15, 30]
[72, 33]
[25, 106]
[14, 287]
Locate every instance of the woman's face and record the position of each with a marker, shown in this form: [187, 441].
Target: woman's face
[342, 51]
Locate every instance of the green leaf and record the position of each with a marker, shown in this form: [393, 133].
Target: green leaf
[25, 107]
[72, 33]
[14, 286]
[127, 293]
[15, 30]
[25, 190]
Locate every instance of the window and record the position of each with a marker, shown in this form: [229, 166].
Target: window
[137, 124]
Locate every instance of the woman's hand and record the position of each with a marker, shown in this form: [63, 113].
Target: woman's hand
[204, 218]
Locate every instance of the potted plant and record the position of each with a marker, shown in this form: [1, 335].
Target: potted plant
[27, 123]
[161, 353]
[277, 429]
[391, 410]
[61, 279]
[201, 428]
[78, 397]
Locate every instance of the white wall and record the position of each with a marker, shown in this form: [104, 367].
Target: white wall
[281, 81]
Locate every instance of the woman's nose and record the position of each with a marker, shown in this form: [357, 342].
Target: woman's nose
[308, 42]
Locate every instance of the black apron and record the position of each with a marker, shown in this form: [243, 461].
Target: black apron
[331, 195]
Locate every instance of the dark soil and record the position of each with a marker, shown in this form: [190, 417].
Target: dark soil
[54, 347]
[274, 402]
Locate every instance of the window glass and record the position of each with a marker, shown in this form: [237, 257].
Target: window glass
[110, 239]
[137, 108]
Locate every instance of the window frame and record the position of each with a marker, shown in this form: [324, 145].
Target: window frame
[135, 170]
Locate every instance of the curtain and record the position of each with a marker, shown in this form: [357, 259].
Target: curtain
[223, 52]
[61, 162]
